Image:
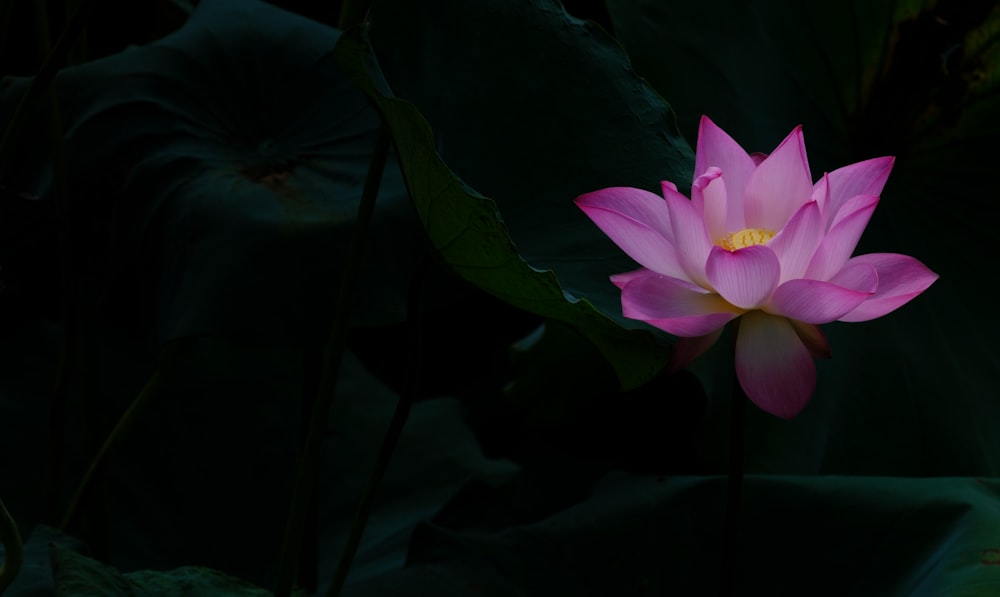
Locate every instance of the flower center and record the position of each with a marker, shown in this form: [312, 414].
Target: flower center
[745, 238]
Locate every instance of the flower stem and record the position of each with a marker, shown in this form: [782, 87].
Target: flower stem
[308, 461]
[30, 101]
[59, 194]
[13, 549]
[165, 367]
[734, 489]
[312, 377]
[389, 441]
[352, 12]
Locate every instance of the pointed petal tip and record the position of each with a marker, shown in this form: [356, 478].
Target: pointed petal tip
[620, 280]
[638, 221]
[816, 301]
[901, 278]
[704, 179]
[779, 185]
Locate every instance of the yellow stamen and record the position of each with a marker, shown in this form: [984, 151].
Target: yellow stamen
[745, 238]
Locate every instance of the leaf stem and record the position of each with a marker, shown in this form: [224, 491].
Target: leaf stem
[165, 367]
[305, 480]
[399, 417]
[6, 10]
[352, 12]
[13, 549]
[59, 194]
[312, 377]
[734, 489]
[39, 84]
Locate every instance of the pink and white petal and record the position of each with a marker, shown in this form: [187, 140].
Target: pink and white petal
[850, 207]
[691, 241]
[795, 244]
[620, 280]
[813, 338]
[708, 195]
[841, 240]
[779, 185]
[686, 350]
[815, 301]
[821, 195]
[859, 276]
[773, 366]
[758, 157]
[863, 178]
[745, 277]
[716, 148]
[636, 204]
[900, 278]
[693, 325]
[675, 306]
[638, 222]
[699, 183]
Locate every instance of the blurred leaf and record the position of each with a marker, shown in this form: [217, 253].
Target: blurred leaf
[531, 123]
[185, 6]
[542, 385]
[229, 158]
[563, 403]
[913, 393]
[633, 535]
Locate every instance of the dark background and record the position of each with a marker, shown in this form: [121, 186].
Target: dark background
[525, 468]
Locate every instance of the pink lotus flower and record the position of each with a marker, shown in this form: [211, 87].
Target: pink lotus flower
[757, 240]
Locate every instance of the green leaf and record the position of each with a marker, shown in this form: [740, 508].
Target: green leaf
[554, 399]
[529, 123]
[912, 393]
[658, 536]
[229, 157]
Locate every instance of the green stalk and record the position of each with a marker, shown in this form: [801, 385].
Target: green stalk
[734, 489]
[39, 84]
[312, 377]
[352, 12]
[13, 549]
[78, 52]
[6, 10]
[389, 441]
[367, 501]
[308, 461]
[165, 368]
[59, 196]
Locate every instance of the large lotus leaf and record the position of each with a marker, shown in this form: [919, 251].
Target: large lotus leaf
[531, 122]
[234, 153]
[912, 393]
[630, 535]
